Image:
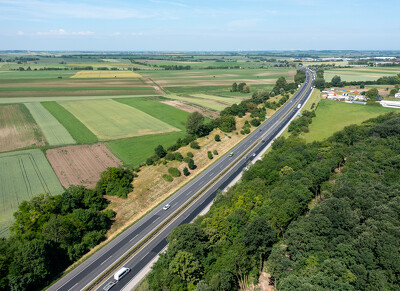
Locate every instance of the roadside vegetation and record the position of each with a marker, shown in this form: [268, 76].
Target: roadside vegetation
[298, 216]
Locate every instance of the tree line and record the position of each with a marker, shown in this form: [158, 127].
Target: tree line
[348, 241]
[52, 232]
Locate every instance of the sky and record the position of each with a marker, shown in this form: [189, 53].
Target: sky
[203, 25]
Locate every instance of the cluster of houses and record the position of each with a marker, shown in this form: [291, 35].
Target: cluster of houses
[352, 96]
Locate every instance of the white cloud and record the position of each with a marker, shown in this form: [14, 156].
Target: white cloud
[20, 32]
[63, 32]
[47, 9]
[169, 3]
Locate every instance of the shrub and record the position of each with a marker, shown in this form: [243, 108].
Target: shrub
[186, 171]
[195, 145]
[191, 164]
[190, 154]
[215, 152]
[151, 160]
[174, 172]
[217, 137]
[210, 155]
[170, 156]
[167, 178]
[160, 151]
[110, 213]
[115, 182]
[255, 122]
[178, 156]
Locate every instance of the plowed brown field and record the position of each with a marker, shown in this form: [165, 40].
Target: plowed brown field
[81, 164]
[18, 129]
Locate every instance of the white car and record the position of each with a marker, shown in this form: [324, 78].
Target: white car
[166, 207]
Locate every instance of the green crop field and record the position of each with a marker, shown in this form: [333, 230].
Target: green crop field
[134, 151]
[79, 132]
[109, 119]
[361, 73]
[171, 115]
[61, 98]
[22, 175]
[55, 133]
[55, 86]
[332, 116]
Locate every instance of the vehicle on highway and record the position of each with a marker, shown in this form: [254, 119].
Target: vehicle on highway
[262, 140]
[166, 206]
[299, 106]
[254, 154]
[231, 154]
[109, 285]
[121, 273]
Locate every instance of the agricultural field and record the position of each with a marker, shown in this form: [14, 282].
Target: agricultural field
[106, 74]
[109, 119]
[161, 111]
[218, 77]
[23, 175]
[81, 164]
[55, 133]
[361, 73]
[52, 86]
[332, 116]
[134, 151]
[18, 129]
[225, 100]
[79, 132]
[208, 103]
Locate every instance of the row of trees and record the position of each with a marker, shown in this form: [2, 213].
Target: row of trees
[242, 87]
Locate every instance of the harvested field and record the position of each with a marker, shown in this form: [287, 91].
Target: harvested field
[106, 74]
[23, 174]
[225, 100]
[109, 119]
[55, 133]
[212, 104]
[188, 107]
[18, 128]
[81, 164]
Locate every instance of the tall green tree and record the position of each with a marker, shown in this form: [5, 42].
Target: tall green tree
[194, 123]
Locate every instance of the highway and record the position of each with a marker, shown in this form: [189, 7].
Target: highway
[214, 178]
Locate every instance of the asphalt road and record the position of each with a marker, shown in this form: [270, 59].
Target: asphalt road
[89, 270]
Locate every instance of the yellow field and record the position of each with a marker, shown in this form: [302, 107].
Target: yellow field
[106, 74]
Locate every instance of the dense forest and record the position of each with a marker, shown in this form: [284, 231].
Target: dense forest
[319, 216]
[51, 232]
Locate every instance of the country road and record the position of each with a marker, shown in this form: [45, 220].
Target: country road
[194, 196]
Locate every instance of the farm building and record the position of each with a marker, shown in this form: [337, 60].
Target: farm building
[397, 95]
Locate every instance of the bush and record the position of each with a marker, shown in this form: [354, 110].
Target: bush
[186, 171]
[174, 172]
[215, 152]
[178, 157]
[170, 156]
[210, 155]
[167, 178]
[160, 151]
[217, 137]
[191, 164]
[255, 122]
[195, 145]
[115, 182]
[190, 154]
[110, 213]
[151, 160]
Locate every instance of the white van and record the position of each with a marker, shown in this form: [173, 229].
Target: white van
[121, 273]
